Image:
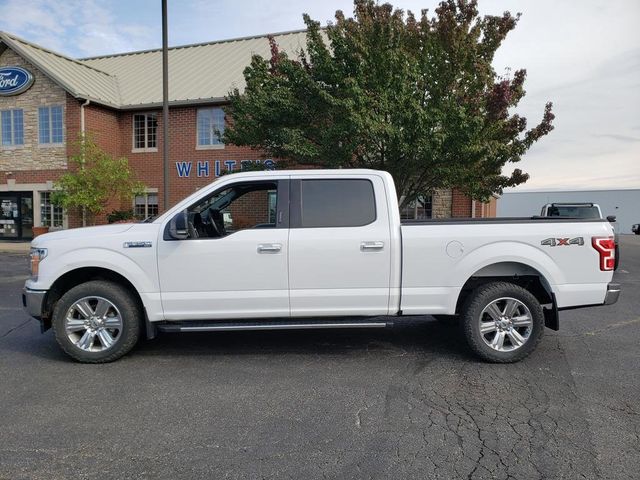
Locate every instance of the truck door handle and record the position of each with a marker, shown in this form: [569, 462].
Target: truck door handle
[369, 246]
[269, 248]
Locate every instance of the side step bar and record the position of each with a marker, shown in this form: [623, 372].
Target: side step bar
[226, 326]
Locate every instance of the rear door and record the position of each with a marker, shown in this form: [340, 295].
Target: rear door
[339, 246]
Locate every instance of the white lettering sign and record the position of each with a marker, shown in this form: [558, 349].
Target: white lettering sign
[203, 168]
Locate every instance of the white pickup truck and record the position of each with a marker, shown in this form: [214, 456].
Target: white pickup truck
[313, 249]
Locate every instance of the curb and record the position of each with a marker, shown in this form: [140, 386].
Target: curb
[14, 247]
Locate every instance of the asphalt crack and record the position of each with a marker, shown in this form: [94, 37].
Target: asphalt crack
[17, 327]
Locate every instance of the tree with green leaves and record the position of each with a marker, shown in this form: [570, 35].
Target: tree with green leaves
[95, 180]
[417, 97]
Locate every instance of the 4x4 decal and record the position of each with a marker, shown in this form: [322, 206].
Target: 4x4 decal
[558, 242]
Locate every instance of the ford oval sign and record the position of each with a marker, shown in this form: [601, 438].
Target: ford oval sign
[14, 80]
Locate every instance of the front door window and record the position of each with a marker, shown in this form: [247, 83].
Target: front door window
[242, 206]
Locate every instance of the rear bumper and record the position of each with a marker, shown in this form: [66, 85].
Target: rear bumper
[613, 292]
[33, 301]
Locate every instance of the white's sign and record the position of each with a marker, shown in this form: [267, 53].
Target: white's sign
[206, 168]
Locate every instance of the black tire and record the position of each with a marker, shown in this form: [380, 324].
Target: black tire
[125, 338]
[481, 298]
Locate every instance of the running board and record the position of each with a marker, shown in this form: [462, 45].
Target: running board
[225, 326]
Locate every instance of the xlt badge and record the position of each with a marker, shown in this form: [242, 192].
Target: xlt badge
[143, 244]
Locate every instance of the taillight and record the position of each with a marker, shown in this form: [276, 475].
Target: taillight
[606, 247]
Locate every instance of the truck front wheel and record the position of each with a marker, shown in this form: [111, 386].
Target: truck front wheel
[502, 322]
[97, 322]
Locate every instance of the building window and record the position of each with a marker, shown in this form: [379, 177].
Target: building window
[145, 128]
[210, 127]
[145, 205]
[50, 125]
[50, 215]
[12, 127]
[420, 209]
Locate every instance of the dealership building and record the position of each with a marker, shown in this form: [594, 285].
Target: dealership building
[48, 100]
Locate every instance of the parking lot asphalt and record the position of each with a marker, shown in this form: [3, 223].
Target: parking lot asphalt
[406, 402]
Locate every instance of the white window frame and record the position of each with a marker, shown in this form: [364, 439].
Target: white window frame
[13, 145]
[50, 213]
[415, 207]
[146, 193]
[146, 147]
[211, 146]
[51, 143]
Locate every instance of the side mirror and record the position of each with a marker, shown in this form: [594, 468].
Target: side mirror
[611, 218]
[178, 226]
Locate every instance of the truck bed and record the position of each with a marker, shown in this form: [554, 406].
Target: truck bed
[437, 261]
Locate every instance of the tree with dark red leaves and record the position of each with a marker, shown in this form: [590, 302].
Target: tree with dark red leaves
[417, 97]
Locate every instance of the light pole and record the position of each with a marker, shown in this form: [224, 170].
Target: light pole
[165, 106]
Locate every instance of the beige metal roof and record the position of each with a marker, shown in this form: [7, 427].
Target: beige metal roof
[197, 73]
[78, 78]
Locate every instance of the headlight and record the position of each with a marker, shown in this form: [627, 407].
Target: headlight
[36, 255]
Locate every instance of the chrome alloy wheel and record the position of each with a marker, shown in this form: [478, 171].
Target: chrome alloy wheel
[93, 324]
[505, 324]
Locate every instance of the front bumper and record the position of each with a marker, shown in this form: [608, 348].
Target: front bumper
[613, 292]
[33, 302]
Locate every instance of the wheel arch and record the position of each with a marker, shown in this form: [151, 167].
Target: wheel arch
[80, 275]
[518, 273]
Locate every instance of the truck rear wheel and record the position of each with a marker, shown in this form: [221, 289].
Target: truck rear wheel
[97, 322]
[502, 322]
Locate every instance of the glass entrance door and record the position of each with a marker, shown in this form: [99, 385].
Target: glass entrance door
[26, 215]
[16, 215]
[8, 216]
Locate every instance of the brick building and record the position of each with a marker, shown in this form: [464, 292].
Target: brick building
[118, 100]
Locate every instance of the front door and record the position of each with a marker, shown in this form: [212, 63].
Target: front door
[16, 215]
[339, 247]
[234, 263]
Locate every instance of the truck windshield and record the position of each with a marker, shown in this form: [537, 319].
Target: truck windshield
[573, 212]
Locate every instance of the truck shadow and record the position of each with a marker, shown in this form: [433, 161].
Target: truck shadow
[422, 335]
[416, 336]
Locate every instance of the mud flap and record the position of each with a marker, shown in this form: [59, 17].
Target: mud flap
[150, 328]
[551, 315]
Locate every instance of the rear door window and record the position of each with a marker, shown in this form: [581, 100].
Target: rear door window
[336, 203]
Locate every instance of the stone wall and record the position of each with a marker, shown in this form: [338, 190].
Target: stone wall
[32, 155]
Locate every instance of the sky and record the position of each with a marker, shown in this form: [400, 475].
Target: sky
[584, 56]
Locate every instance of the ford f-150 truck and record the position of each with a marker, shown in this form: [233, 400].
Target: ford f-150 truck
[313, 249]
